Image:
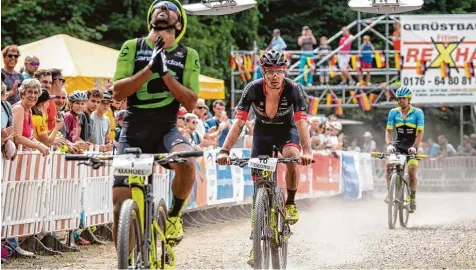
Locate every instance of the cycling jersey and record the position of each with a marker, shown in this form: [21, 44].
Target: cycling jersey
[183, 64]
[406, 127]
[291, 103]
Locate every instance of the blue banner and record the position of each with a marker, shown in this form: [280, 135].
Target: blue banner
[350, 178]
[224, 183]
[249, 187]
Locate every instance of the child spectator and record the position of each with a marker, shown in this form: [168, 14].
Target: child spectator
[366, 52]
[322, 51]
[40, 120]
[77, 100]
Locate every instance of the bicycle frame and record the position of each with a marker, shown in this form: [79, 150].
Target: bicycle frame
[149, 227]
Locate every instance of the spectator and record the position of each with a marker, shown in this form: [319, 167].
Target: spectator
[332, 118]
[369, 144]
[466, 149]
[219, 125]
[201, 111]
[72, 118]
[306, 41]
[315, 130]
[433, 148]
[102, 125]
[60, 102]
[32, 63]
[326, 140]
[344, 56]
[181, 119]
[277, 42]
[353, 146]
[94, 99]
[396, 36]
[39, 118]
[366, 58]
[112, 118]
[473, 140]
[322, 51]
[13, 79]
[446, 149]
[44, 76]
[8, 131]
[56, 86]
[120, 121]
[191, 121]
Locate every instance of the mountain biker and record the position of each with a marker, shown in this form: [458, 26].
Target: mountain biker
[409, 123]
[280, 108]
[157, 74]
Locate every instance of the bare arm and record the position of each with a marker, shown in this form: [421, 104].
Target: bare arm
[388, 136]
[233, 134]
[300, 40]
[18, 116]
[419, 138]
[304, 137]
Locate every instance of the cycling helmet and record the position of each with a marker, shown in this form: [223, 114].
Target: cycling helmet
[273, 58]
[106, 96]
[404, 92]
[78, 95]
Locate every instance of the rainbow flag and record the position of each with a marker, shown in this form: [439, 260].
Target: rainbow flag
[365, 102]
[313, 105]
[469, 69]
[311, 64]
[338, 109]
[380, 59]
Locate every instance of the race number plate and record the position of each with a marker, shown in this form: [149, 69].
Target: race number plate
[267, 164]
[130, 165]
[397, 159]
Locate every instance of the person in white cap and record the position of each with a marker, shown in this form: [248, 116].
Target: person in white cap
[369, 144]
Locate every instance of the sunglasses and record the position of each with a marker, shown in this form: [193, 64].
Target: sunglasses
[13, 56]
[61, 80]
[62, 98]
[181, 117]
[35, 64]
[170, 6]
[274, 72]
[201, 107]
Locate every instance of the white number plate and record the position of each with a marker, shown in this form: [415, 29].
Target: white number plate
[397, 159]
[268, 164]
[129, 164]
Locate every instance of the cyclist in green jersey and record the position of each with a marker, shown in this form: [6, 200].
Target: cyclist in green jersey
[157, 74]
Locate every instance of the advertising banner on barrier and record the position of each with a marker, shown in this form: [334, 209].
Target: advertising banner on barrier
[326, 173]
[220, 181]
[439, 54]
[350, 176]
[364, 167]
[248, 188]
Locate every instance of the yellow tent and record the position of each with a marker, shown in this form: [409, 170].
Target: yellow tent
[86, 65]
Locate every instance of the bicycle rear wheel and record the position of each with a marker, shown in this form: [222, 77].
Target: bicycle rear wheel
[392, 201]
[261, 216]
[279, 251]
[129, 242]
[404, 207]
[161, 217]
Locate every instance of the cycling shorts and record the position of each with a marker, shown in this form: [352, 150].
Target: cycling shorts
[151, 137]
[404, 150]
[264, 139]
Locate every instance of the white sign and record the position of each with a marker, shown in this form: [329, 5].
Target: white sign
[129, 164]
[266, 164]
[397, 159]
[438, 52]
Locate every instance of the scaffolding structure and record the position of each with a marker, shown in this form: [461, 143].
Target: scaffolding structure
[382, 93]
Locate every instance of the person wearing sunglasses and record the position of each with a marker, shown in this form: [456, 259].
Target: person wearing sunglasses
[32, 63]
[280, 107]
[13, 79]
[157, 74]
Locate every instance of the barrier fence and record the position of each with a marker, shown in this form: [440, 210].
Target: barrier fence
[42, 195]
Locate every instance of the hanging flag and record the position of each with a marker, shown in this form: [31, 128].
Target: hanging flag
[444, 70]
[420, 67]
[372, 98]
[313, 105]
[329, 99]
[397, 61]
[311, 64]
[232, 62]
[364, 102]
[380, 59]
[355, 62]
[338, 109]
[305, 73]
[240, 68]
[354, 98]
[469, 69]
[332, 66]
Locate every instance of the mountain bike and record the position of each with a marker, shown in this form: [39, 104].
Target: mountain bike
[141, 242]
[398, 198]
[271, 231]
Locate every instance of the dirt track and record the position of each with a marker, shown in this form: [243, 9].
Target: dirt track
[331, 234]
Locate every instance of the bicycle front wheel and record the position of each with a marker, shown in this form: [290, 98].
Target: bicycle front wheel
[129, 242]
[261, 215]
[392, 201]
[404, 207]
[279, 247]
[161, 216]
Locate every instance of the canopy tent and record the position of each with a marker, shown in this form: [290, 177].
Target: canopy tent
[86, 65]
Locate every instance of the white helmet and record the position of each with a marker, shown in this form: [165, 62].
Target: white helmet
[337, 125]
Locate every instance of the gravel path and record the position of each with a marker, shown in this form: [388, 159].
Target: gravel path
[331, 234]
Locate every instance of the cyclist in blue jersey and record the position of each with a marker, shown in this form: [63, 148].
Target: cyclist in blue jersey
[409, 123]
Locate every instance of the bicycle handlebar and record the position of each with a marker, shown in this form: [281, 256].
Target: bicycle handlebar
[382, 155]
